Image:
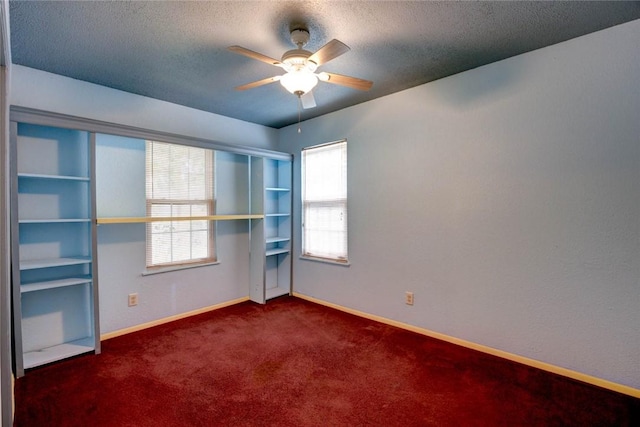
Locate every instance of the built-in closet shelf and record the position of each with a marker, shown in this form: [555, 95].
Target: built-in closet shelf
[61, 351]
[276, 189]
[277, 251]
[277, 239]
[53, 220]
[129, 220]
[53, 262]
[50, 284]
[60, 177]
[276, 292]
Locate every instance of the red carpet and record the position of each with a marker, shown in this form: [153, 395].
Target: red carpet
[294, 363]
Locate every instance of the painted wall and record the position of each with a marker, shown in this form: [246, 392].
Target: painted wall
[51, 92]
[506, 198]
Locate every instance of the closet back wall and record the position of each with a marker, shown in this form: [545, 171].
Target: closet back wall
[120, 192]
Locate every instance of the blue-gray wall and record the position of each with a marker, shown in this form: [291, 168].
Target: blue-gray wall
[506, 198]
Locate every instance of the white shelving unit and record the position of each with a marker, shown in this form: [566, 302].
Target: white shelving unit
[54, 228]
[270, 270]
[53, 244]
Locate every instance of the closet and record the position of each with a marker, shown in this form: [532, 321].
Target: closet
[54, 226]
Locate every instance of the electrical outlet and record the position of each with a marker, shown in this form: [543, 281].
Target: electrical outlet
[133, 299]
[408, 298]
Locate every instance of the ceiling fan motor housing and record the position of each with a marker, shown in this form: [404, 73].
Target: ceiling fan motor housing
[296, 59]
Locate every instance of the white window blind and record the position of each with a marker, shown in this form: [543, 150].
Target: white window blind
[324, 202]
[179, 183]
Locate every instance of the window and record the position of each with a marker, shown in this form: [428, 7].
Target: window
[324, 202]
[179, 184]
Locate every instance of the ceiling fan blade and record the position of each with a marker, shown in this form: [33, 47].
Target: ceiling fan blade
[352, 82]
[308, 101]
[258, 83]
[255, 55]
[329, 51]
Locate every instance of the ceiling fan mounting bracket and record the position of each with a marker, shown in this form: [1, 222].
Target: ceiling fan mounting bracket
[300, 37]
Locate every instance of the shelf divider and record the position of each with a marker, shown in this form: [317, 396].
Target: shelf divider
[52, 262]
[276, 292]
[46, 176]
[58, 352]
[276, 251]
[277, 239]
[52, 220]
[51, 284]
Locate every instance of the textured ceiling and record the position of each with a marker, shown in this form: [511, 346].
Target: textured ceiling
[176, 51]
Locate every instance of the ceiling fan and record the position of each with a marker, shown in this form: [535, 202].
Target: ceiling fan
[300, 67]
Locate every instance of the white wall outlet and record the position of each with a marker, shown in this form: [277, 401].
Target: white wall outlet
[133, 299]
[408, 298]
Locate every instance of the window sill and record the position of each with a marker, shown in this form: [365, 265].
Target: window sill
[152, 271]
[325, 261]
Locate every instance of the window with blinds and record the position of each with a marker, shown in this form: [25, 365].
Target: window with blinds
[324, 202]
[179, 184]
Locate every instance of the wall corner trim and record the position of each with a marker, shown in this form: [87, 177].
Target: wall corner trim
[599, 382]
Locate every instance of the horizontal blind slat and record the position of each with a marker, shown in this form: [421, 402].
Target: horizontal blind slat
[179, 183]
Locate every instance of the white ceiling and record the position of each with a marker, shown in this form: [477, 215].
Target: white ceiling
[177, 51]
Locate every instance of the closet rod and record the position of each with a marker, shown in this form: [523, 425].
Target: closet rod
[126, 220]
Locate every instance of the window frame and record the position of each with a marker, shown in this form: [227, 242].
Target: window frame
[341, 257]
[171, 202]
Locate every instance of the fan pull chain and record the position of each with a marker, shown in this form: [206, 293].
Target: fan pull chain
[299, 112]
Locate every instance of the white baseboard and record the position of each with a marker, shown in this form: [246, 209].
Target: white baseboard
[164, 320]
[620, 388]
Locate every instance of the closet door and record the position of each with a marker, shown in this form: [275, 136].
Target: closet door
[53, 244]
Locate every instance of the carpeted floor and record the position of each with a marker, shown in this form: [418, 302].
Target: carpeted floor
[295, 363]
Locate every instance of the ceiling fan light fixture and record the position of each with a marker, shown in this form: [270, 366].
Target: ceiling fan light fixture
[300, 67]
[299, 82]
